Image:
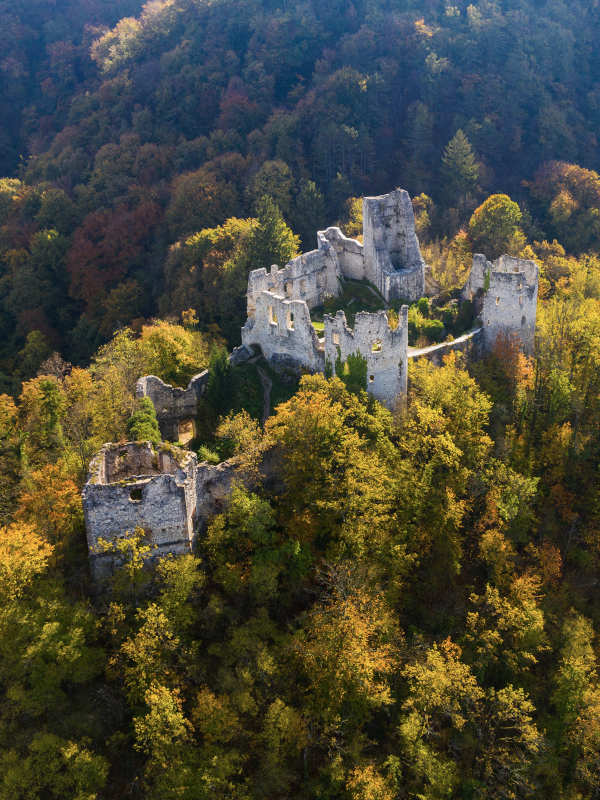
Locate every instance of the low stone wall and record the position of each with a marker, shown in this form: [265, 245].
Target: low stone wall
[469, 343]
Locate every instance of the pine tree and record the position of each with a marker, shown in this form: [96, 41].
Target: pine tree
[143, 425]
[460, 171]
[309, 213]
[273, 241]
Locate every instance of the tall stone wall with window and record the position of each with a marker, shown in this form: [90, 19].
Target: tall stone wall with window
[283, 331]
[162, 490]
[135, 485]
[384, 349]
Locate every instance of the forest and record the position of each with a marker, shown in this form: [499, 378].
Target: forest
[410, 612]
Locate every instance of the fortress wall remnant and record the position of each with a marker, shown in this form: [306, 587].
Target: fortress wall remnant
[214, 483]
[282, 329]
[134, 485]
[349, 253]
[384, 349]
[392, 256]
[507, 290]
[174, 405]
[469, 344]
[311, 277]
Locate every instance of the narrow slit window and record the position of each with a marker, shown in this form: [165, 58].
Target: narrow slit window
[291, 321]
[497, 301]
[335, 338]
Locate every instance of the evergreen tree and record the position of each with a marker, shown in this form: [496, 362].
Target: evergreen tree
[309, 214]
[219, 391]
[273, 241]
[142, 424]
[460, 171]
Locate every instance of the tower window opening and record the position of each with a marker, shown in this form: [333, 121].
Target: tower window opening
[371, 378]
[523, 321]
[376, 346]
[497, 301]
[335, 338]
[135, 495]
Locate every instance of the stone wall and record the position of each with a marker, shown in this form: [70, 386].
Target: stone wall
[134, 485]
[349, 253]
[163, 490]
[282, 328]
[384, 349]
[506, 291]
[311, 277]
[469, 344]
[174, 405]
[392, 256]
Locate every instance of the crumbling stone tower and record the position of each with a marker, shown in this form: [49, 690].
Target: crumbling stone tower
[392, 256]
[385, 350]
[505, 296]
[135, 485]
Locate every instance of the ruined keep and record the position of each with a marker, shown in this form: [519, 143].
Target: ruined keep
[505, 296]
[162, 490]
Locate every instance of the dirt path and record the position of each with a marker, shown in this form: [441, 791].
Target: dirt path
[267, 384]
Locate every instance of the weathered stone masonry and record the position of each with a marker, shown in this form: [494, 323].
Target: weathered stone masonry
[167, 493]
[385, 350]
[505, 293]
[162, 490]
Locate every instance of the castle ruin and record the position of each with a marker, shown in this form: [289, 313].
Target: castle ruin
[167, 493]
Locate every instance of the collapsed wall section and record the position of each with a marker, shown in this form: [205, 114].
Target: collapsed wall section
[283, 331]
[311, 277]
[349, 253]
[173, 405]
[176, 407]
[392, 256]
[135, 485]
[384, 349]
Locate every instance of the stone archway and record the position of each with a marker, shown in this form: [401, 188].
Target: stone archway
[186, 430]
